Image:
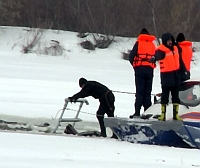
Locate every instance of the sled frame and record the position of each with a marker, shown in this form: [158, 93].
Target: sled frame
[75, 119]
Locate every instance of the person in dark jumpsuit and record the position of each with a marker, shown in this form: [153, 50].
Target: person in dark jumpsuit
[106, 100]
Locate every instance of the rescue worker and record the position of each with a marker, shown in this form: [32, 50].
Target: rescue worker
[142, 51]
[185, 49]
[106, 99]
[170, 64]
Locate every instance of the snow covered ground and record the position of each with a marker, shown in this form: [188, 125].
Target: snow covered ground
[33, 87]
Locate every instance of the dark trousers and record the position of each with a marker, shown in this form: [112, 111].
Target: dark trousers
[174, 93]
[106, 107]
[143, 83]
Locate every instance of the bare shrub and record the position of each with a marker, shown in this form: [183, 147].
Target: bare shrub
[87, 45]
[82, 35]
[32, 38]
[195, 47]
[103, 42]
[55, 49]
[125, 55]
[52, 48]
[99, 41]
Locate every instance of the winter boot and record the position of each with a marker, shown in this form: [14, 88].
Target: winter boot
[136, 115]
[103, 134]
[114, 136]
[175, 112]
[163, 112]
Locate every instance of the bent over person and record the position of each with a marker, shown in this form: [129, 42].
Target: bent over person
[106, 100]
[142, 51]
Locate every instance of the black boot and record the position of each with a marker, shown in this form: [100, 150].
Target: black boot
[103, 131]
[136, 115]
[114, 136]
[102, 126]
[103, 134]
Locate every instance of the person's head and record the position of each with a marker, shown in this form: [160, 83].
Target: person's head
[180, 37]
[144, 31]
[168, 40]
[82, 81]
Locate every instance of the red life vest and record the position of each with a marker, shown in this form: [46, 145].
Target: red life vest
[186, 47]
[146, 49]
[171, 60]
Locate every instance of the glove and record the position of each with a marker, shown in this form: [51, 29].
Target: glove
[71, 99]
[152, 59]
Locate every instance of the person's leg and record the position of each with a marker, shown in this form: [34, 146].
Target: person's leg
[110, 108]
[165, 95]
[164, 102]
[175, 95]
[147, 92]
[139, 84]
[176, 102]
[100, 116]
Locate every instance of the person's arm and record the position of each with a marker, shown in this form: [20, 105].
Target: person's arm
[182, 65]
[133, 53]
[159, 55]
[82, 94]
[185, 75]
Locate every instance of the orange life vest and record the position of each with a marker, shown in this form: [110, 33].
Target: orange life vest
[171, 60]
[186, 47]
[146, 49]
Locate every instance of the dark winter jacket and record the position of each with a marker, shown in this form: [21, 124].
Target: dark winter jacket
[185, 74]
[133, 53]
[172, 78]
[92, 88]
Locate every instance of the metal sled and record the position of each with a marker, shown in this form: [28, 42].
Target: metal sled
[75, 119]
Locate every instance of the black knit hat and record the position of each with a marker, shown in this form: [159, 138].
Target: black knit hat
[180, 37]
[144, 31]
[82, 81]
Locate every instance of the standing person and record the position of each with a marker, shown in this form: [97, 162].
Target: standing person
[142, 51]
[185, 49]
[105, 96]
[169, 59]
